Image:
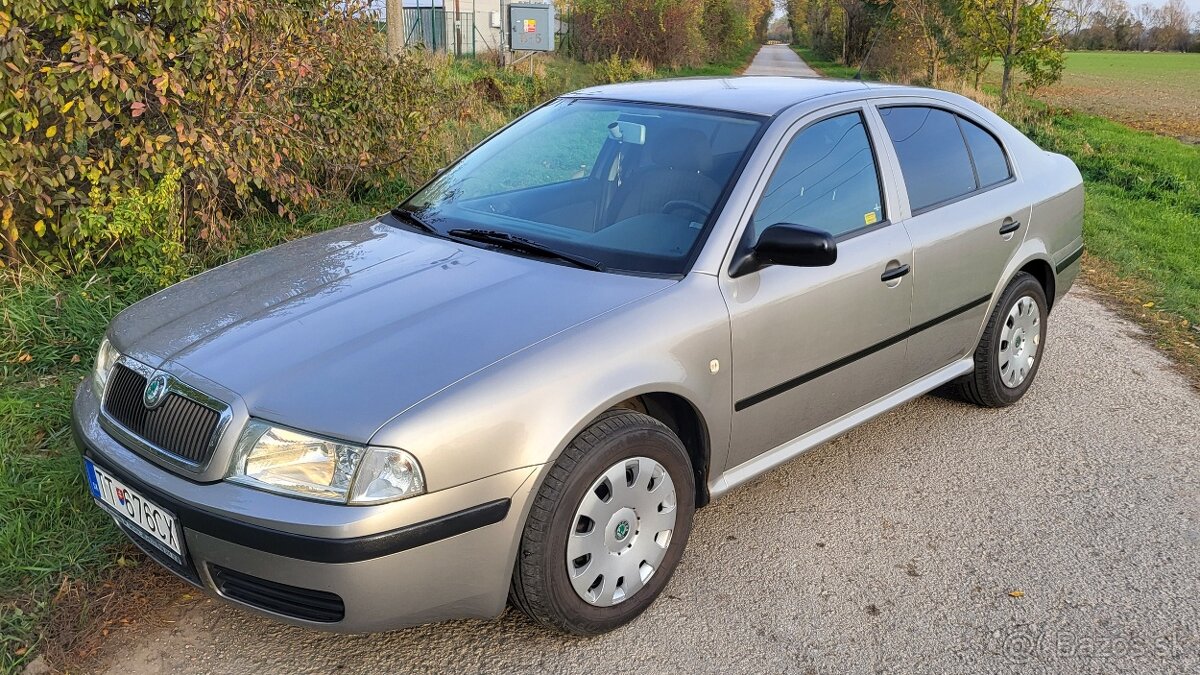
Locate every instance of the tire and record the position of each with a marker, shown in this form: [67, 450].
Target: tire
[997, 382]
[542, 586]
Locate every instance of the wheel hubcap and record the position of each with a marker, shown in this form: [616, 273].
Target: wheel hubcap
[621, 531]
[1019, 342]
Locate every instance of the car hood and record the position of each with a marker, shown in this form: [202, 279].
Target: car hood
[339, 332]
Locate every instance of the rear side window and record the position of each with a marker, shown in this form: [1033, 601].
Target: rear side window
[826, 179]
[990, 162]
[932, 154]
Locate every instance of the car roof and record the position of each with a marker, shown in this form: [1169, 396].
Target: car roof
[759, 95]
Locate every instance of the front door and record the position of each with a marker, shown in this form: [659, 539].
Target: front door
[812, 344]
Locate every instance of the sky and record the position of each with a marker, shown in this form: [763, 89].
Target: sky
[1193, 5]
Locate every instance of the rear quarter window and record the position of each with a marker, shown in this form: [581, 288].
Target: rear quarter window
[933, 157]
[990, 162]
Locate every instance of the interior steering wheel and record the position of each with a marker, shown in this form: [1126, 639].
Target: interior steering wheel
[687, 205]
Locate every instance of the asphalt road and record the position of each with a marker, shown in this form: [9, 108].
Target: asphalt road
[896, 548]
[779, 60]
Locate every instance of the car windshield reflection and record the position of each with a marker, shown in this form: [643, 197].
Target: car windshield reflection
[630, 186]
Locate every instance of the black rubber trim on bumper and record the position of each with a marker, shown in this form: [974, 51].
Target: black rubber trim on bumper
[318, 549]
[1068, 261]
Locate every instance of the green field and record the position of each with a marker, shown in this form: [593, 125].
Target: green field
[1151, 91]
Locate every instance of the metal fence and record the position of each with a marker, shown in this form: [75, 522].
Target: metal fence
[439, 30]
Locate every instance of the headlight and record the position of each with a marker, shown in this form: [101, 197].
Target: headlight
[387, 474]
[291, 462]
[105, 359]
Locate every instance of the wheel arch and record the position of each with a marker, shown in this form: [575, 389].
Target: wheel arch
[683, 418]
[1041, 270]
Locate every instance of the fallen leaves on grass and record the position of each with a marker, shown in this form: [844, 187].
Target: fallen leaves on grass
[83, 614]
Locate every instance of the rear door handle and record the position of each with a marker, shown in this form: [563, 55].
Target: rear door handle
[894, 273]
[1010, 226]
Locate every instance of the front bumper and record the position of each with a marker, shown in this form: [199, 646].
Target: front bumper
[443, 555]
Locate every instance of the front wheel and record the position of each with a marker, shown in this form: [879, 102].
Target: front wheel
[1011, 348]
[607, 527]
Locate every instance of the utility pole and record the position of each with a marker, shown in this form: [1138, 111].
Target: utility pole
[505, 48]
[395, 27]
[457, 29]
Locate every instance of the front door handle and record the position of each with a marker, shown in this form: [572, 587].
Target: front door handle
[1010, 226]
[893, 273]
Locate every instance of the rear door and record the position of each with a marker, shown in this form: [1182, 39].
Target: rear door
[812, 344]
[967, 219]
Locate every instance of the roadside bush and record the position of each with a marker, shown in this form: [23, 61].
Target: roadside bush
[729, 24]
[663, 32]
[666, 33]
[255, 103]
[140, 230]
[616, 69]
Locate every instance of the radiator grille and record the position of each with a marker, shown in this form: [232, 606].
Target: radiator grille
[179, 425]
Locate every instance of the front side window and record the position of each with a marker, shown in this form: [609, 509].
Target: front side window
[631, 186]
[933, 157]
[826, 180]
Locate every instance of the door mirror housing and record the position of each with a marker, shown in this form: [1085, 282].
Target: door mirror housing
[790, 245]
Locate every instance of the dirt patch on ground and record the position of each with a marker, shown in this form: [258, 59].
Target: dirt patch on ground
[1153, 92]
[1140, 105]
[135, 596]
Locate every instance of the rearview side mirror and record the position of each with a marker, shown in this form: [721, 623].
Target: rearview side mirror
[790, 245]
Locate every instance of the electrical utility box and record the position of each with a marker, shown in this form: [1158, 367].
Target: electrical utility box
[531, 27]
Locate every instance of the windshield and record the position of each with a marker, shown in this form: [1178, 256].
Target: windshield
[629, 186]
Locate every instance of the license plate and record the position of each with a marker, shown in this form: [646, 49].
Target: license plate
[153, 522]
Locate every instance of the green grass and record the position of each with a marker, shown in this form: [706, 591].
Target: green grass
[824, 67]
[727, 66]
[49, 330]
[1143, 203]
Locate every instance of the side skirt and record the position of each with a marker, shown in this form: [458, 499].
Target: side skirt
[830, 430]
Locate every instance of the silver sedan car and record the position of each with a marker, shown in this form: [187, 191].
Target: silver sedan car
[519, 385]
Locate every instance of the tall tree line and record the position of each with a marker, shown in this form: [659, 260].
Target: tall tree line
[930, 40]
[1116, 24]
[926, 40]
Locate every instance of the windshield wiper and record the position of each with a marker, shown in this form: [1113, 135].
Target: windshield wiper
[412, 219]
[514, 242]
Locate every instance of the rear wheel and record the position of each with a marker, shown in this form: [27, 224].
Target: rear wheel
[1010, 351]
[607, 527]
